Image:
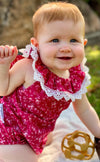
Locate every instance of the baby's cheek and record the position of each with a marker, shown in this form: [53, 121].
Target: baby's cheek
[81, 53]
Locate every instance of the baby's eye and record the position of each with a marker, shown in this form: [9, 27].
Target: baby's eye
[73, 40]
[55, 40]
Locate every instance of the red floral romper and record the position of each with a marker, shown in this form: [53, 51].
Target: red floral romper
[29, 115]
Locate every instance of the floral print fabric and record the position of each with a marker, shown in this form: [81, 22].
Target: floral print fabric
[30, 114]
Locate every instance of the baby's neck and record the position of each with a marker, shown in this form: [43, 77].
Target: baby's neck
[64, 74]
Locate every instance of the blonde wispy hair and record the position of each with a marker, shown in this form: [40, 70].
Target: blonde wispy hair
[53, 11]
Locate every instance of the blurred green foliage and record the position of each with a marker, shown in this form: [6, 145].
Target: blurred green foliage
[93, 62]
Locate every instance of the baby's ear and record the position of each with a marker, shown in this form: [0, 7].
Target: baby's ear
[34, 41]
[85, 41]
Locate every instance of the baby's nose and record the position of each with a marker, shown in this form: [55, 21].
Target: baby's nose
[65, 49]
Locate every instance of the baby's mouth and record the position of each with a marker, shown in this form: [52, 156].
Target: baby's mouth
[65, 58]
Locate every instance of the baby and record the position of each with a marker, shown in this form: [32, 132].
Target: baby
[43, 82]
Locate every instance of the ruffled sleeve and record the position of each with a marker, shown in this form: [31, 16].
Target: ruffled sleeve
[53, 85]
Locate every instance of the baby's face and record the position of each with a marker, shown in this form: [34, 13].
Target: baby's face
[61, 45]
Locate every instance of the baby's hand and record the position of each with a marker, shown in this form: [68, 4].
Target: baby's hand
[7, 54]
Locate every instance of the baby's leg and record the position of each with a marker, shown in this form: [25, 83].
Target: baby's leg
[49, 139]
[17, 153]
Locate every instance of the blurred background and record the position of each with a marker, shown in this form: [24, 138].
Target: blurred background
[16, 29]
[16, 15]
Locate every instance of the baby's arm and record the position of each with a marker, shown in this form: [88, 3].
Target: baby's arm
[10, 79]
[7, 55]
[88, 115]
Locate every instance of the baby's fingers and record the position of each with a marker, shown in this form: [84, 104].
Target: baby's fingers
[2, 51]
[11, 50]
[6, 51]
[15, 50]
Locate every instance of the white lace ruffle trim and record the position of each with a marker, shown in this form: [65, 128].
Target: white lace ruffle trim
[56, 93]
